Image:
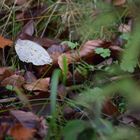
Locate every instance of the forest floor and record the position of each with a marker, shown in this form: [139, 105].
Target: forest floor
[69, 69]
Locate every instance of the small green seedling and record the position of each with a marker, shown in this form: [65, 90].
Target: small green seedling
[125, 36]
[103, 52]
[70, 44]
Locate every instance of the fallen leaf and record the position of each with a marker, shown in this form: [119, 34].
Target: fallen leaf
[124, 28]
[29, 77]
[68, 112]
[39, 85]
[5, 42]
[27, 29]
[70, 57]
[3, 130]
[110, 109]
[27, 119]
[87, 50]
[14, 80]
[119, 2]
[61, 91]
[21, 2]
[31, 121]
[56, 50]
[5, 72]
[18, 132]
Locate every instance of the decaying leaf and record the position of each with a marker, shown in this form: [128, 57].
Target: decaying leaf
[21, 2]
[31, 121]
[39, 85]
[29, 77]
[87, 50]
[110, 109]
[5, 72]
[27, 119]
[56, 50]
[14, 80]
[5, 42]
[119, 2]
[18, 132]
[28, 29]
[124, 28]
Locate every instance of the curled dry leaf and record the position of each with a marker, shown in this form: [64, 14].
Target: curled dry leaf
[39, 85]
[5, 42]
[119, 2]
[14, 80]
[5, 72]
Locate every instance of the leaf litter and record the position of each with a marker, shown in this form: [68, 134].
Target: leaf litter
[40, 57]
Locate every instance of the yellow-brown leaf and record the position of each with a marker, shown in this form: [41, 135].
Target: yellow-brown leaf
[5, 42]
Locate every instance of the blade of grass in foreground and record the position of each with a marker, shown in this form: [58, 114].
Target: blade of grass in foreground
[54, 84]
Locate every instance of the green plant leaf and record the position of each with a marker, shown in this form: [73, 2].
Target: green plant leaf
[103, 52]
[70, 44]
[132, 51]
[73, 128]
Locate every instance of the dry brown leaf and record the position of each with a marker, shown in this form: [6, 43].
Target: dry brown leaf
[31, 121]
[27, 119]
[87, 50]
[61, 91]
[3, 130]
[14, 80]
[70, 57]
[29, 77]
[39, 85]
[119, 2]
[5, 42]
[21, 2]
[56, 50]
[18, 132]
[124, 28]
[28, 28]
[5, 72]
[110, 109]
